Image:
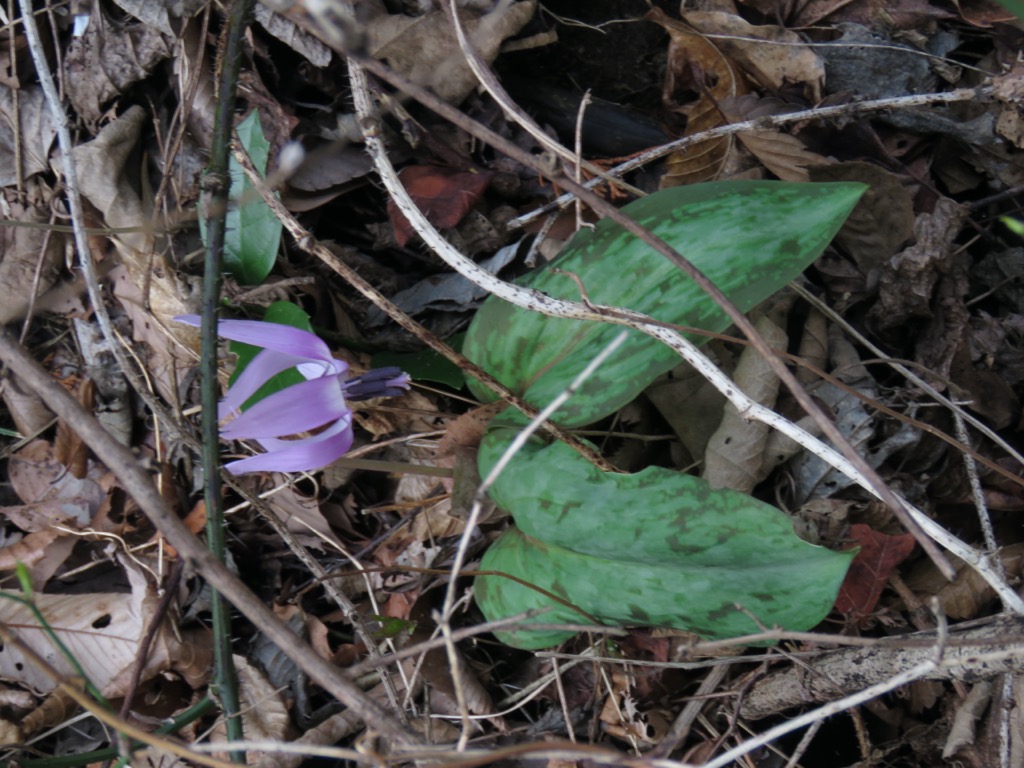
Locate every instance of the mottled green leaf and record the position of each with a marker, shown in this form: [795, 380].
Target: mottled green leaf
[655, 548]
[749, 237]
[252, 232]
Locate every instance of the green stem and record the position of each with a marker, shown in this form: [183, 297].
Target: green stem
[216, 185]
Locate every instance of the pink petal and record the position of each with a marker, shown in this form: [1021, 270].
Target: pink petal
[281, 338]
[299, 455]
[266, 364]
[302, 406]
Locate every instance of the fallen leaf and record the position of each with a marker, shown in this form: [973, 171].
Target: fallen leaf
[49, 491]
[426, 50]
[968, 594]
[108, 59]
[983, 13]
[772, 56]
[285, 30]
[735, 453]
[37, 133]
[102, 631]
[781, 153]
[874, 66]
[883, 219]
[908, 280]
[164, 16]
[878, 557]
[30, 256]
[102, 165]
[905, 15]
[445, 196]
[696, 64]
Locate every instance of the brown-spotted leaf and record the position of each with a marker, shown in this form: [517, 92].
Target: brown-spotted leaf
[696, 64]
[878, 557]
[445, 195]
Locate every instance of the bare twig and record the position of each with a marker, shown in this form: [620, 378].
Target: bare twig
[974, 652]
[767, 121]
[514, 112]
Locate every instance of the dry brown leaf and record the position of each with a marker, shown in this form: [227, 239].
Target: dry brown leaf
[692, 407]
[11, 732]
[300, 513]
[620, 716]
[264, 714]
[29, 412]
[30, 549]
[968, 594]
[437, 522]
[102, 165]
[781, 153]
[55, 709]
[467, 430]
[696, 64]
[908, 279]
[160, 14]
[882, 220]
[30, 256]
[101, 630]
[107, 59]
[426, 50]
[735, 454]
[772, 56]
[877, 558]
[445, 195]
[968, 713]
[49, 491]
[285, 30]
[37, 133]
[813, 345]
[194, 83]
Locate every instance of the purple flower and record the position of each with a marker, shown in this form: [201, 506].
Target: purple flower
[320, 401]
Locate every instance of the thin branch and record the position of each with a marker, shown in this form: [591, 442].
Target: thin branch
[854, 108]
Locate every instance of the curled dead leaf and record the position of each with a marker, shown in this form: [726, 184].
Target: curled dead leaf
[696, 64]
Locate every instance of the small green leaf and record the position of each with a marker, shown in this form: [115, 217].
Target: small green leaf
[1012, 224]
[391, 627]
[426, 365]
[282, 313]
[749, 237]
[1015, 7]
[656, 548]
[252, 231]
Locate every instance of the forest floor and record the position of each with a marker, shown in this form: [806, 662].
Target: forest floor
[907, 331]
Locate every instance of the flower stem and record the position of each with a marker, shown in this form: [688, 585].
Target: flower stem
[216, 185]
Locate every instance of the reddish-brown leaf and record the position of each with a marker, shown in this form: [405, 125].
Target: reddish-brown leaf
[443, 194]
[878, 557]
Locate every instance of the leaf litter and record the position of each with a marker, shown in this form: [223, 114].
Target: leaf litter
[924, 270]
